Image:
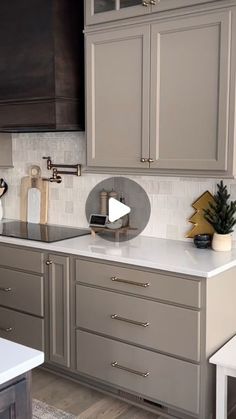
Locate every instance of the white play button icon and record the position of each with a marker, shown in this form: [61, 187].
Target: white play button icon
[117, 209]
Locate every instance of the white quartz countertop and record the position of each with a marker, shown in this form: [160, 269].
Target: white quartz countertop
[17, 359]
[148, 252]
[226, 356]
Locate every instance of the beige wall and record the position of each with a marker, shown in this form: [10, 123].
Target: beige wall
[170, 198]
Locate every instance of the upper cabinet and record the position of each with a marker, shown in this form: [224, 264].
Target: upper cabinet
[161, 94]
[42, 65]
[98, 11]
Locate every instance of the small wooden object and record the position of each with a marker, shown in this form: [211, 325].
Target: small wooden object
[34, 181]
[117, 232]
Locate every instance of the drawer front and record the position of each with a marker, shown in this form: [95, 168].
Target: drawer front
[21, 291]
[155, 285]
[166, 328]
[170, 380]
[21, 259]
[22, 328]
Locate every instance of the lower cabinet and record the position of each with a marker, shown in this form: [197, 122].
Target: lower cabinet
[15, 402]
[59, 309]
[140, 334]
[22, 296]
[22, 328]
[149, 374]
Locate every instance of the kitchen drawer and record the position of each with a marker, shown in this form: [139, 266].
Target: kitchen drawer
[18, 258]
[148, 284]
[170, 381]
[22, 328]
[166, 328]
[21, 291]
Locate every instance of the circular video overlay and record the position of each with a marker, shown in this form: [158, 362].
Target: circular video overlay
[118, 209]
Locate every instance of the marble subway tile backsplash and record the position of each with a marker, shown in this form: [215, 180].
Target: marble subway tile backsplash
[170, 197]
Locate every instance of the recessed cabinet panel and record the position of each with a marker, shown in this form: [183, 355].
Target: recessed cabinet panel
[189, 92]
[118, 67]
[59, 310]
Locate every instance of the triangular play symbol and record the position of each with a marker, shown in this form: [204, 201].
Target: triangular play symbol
[117, 209]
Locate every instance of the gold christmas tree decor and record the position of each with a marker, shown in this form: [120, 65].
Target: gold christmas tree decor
[201, 225]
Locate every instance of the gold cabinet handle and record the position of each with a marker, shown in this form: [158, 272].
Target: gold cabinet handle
[126, 281]
[48, 262]
[145, 3]
[150, 160]
[144, 160]
[153, 2]
[124, 319]
[7, 329]
[115, 364]
[5, 289]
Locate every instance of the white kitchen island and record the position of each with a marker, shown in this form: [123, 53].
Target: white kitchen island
[16, 363]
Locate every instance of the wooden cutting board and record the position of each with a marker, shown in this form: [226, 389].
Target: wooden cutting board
[34, 197]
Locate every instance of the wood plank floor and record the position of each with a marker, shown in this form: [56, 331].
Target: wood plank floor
[82, 401]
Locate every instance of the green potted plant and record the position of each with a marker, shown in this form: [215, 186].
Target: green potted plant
[221, 215]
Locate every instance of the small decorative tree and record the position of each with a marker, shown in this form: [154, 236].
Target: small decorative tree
[221, 215]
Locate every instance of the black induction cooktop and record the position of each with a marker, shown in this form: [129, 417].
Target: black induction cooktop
[40, 232]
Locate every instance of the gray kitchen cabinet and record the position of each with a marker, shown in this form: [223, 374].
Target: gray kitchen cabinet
[142, 338]
[160, 94]
[22, 296]
[101, 11]
[59, 309]
[6, 150]
[151, 374]
[190, 67]
[140, 321]
[118, 97]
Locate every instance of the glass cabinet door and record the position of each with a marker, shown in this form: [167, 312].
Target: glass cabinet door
[101, 6]
[99, 11]
[129, 3]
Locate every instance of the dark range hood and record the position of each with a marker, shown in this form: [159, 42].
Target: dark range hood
[41, 65]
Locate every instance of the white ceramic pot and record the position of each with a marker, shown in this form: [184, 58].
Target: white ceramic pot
[221, 242]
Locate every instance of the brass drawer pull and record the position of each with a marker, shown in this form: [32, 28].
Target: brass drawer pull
[7, 329]
[5, 289]
[153, 2]
[120, 367]
[144, 160]
[150, 160]
[126, 281]
[145, 3]
[123, 319]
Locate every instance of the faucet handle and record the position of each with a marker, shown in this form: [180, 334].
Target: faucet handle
[49, 162]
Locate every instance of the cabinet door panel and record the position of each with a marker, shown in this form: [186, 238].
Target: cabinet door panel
[190, 92]
[59, 310]
[118, 97]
